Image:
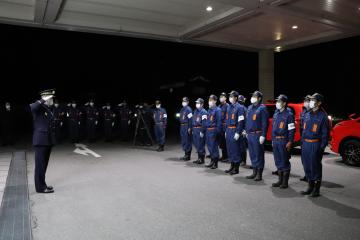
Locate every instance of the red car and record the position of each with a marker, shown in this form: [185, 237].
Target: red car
[296, 108]
[345, 140]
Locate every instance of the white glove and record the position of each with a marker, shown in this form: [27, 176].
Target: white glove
[61, 123]
[113, 124]
[244, 133]
[236, 136]
[79, 122]
[47, 97]
[96, 122]
[129, 122]
[262, 140]
[201, 135]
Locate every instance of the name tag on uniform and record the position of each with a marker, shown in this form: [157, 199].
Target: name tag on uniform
[190, 115]
[211, 117]
[291, 126]
[204, 117]
[233, 116]
[254, 117]
[281, 125]
[241, 118]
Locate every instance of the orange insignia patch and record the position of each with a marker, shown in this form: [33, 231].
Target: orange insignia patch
[281, 125]
[254, 117]
[314, 128]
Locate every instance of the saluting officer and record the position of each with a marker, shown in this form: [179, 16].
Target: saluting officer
[43, 138]
[185, 128]
[160, 120]
[315, 136]
[92, 120]
[222, 141]
[256, 129]
[109, 122]
[235, 123]
[213, 130]
[198, 130]
[74, 120]
[283, 131]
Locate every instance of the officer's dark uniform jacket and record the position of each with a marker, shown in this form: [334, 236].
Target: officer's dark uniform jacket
[43, 117]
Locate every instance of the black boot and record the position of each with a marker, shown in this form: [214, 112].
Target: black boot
[304, 179]
[215, 166]
[253, 175]
[285, 182]
[316, 192]
[243, 164]
[310, 188]
[198, 160]
[201, 160]
[186, 157]
[161, 148]
[231, 168]
[210, 164]
[236, 169]
[279, 182]
[275, 172]
[259, 175]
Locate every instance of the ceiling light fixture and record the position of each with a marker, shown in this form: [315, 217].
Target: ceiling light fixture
[209, 8]
[294, 27]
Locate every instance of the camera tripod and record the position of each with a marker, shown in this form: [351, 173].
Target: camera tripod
[140, 120]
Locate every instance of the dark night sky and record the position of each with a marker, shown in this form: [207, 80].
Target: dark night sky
[113, 68]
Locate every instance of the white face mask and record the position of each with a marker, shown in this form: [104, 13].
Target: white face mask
[307, 104]
[7, 107]
[312, 104]
[253, 100]
[91, 104]
[211, 103]
[73, 105]
[279, 105]
[222, 99]
[184, 104]
[108, 107]
[198, 105]
[56, 105]
[158, 106]
[232, 100]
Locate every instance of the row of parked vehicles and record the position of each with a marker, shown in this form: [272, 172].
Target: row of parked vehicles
[344, 135]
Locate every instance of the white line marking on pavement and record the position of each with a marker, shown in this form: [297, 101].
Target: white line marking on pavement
[84, 150]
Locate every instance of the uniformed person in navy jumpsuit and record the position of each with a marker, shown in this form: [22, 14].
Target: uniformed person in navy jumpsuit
[43, 138]
[235, 123]
[305, 109]
[92, 120]
[74, 120]
[256, 129]
[222, 141]
[315, 136]
[160, 122]
[198, 130]
[283, 131]
[213, 130]
[109, 122]
[242, 100]
[185, 119]
[58, 123]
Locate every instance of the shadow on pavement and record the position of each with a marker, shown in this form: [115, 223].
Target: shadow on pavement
[341, 210]
[244, 180]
